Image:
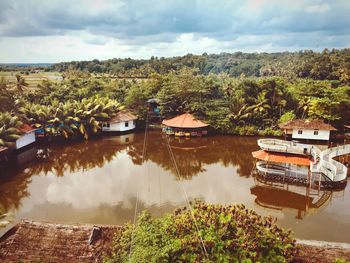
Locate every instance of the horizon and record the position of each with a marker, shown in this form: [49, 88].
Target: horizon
[43, 32]
[168, 57]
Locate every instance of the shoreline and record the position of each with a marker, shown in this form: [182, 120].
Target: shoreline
[50, 242]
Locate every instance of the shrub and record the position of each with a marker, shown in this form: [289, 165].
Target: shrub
[289, 115]
[230, 233]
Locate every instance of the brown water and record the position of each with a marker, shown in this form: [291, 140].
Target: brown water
[97, 182]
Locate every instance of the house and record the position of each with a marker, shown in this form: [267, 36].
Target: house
[123, 121]
[3, 154]
[307, 129]
[27, 137]
[185, 125]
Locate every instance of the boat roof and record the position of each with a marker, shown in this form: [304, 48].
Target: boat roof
[307, 124]
[123, 115]
[25, 128]
[185, 120]
[281, 158]
[3, 149]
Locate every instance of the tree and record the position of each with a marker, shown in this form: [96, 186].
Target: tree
[9, 129]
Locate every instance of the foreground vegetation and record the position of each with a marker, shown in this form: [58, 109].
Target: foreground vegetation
[228, 233]
[77, 106]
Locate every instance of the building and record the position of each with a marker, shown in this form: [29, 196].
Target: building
[307, 129]
[185, 125]
[123, 121]
[27, 137]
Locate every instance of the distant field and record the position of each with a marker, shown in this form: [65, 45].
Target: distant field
[33, 79]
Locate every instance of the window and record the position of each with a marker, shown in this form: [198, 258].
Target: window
[106, 125]
[134, 122]
[126, 124]
[315, 132]
[300, 131]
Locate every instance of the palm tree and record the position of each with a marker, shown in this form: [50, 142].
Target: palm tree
[21, 84]
[261, 103]
[304, 105]
[9, 131]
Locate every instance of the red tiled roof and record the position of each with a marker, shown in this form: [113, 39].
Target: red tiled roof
[2, 149]
[307, 124]
[123, 115]
[26, 128]
[185, 120]
[281, 158]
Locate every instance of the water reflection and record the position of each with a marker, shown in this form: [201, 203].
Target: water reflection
[98, 181]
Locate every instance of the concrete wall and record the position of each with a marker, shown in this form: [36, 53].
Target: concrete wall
[309, 134]
[120, 126]
[25, 140]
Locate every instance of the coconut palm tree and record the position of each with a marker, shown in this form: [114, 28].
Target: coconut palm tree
[9, 131]
[304, 105]
[21, 84]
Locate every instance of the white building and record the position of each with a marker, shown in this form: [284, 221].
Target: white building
[27, 137]
[307, 129]
[124, 121]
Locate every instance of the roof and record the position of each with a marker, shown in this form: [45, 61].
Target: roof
[153, 100]
[30, 241]
[307, 124]
[123, 115]
[25, 128]
[3, 149]
[185, 120]
[281, 158]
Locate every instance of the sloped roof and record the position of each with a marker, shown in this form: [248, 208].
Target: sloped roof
[124, 115]
[26, 128]
[3, 149]
[307, 124]
[30, 241]
[281, 158]
[185, 120]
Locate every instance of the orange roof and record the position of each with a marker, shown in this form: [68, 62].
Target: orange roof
[185, 120]
[26, 128]
[2, 148]
[281, 158]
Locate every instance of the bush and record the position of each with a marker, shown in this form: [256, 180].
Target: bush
[289, 115]
[230, 234]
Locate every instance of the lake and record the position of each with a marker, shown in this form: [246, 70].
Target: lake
[98, 182]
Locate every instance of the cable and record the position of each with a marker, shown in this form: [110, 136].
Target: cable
[137, 191]
[187, 199]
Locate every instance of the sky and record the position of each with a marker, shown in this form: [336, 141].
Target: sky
[33, 31]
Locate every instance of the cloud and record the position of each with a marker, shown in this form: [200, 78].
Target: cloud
[152, 25]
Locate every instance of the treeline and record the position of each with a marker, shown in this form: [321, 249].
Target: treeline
[82, 102]
[326, 65]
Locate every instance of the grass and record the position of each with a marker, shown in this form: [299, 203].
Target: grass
[33, 79]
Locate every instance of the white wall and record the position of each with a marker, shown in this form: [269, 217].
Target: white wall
[120, 126]
[25, 140]
[309, 134]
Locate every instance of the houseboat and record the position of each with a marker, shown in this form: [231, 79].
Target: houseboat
[185, 125]
[123, 121]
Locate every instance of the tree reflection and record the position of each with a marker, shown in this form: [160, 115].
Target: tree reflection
[64, 158]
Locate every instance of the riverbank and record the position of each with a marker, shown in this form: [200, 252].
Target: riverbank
[31, 241]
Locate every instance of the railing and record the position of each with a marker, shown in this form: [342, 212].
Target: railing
[323, 161]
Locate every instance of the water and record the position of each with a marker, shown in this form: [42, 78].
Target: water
[97, 182]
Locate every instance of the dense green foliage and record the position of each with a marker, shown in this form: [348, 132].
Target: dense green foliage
[328, 65]
[79, 104]
[229, 233]
[9, 132]
[297, 85]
